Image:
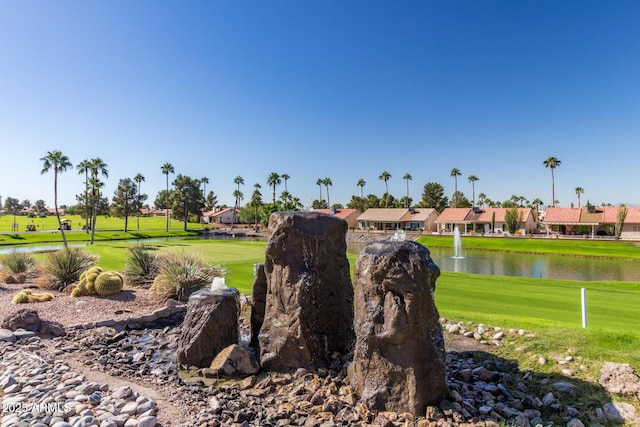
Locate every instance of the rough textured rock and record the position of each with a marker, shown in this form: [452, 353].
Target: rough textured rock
[309, 302]
[258, 301]
[234, 361]
[399, 361]
[23, 319]
[620, 379]
[210, 325]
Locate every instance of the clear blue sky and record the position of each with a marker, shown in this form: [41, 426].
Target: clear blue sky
[324, 88]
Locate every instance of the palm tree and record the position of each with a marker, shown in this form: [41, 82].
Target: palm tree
[579, 190]
[320, 183]
[204, 181]
[361, 183]
[384, 176]
[482, 199]
[83, 168]
[536, 205]
[256, 201]
[98, 167]
[166, 169]
[455, 173]
[408, 177]
[327, 182]
[285, 177]
[552, 163]
[59, 163]
[139, 178]
[472, 179]
[238, 195]
[272, 181]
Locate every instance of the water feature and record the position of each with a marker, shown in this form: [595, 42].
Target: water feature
[457, 244]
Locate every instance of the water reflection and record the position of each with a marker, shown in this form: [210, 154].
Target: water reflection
[527, 265]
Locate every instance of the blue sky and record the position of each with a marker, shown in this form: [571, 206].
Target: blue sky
[319, 89]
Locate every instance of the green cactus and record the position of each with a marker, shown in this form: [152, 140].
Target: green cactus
[26, 295]
[108, 283]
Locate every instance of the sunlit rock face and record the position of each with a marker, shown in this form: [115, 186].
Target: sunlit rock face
[309, 300]
[399, 360]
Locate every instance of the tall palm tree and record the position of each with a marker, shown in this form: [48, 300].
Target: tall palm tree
[204, 180]
[98, 167]
[552, 163]
[285, 177]
[482, 199]
[139, 178]
[407, 177]
[472, 179]
[83, 168]
[327, 182]
[256, 201]
[536, 205]
[320, 183]
[166, 169]
[238, 180]
[58, 162]
[361, 183]
[272, 181]
[579, 190]
[385, 176]
[455, 173]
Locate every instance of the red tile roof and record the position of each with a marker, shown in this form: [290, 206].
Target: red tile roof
[340, 213]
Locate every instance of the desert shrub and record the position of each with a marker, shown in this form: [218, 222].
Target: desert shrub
[182, 273]
[17, 262]
[65, 266]
[25, 296]
[142, 266]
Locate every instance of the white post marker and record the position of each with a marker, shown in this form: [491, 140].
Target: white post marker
[583, 293]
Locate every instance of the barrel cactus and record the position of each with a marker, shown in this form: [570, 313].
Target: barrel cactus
[108, 283]
[87, 282]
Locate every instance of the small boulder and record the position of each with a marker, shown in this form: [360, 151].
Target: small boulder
[619, 378]
[234, 361]
[25, 318]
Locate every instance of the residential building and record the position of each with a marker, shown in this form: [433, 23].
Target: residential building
[412, 219]
[478, 220]
[349, 215]
[220, 216]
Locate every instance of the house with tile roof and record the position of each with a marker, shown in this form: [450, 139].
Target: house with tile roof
[389, 219]
[220, 216]
[349, 215]
[481, 220]
[592, 221]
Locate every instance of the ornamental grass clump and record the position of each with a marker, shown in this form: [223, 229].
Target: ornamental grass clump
[16, 262]
[65, 266]
[142, 266]
[183, 273]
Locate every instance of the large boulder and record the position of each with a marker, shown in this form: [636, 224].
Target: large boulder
[399, 360]
[210, 325]
[258, 302]
[25, 318]
[309, 302]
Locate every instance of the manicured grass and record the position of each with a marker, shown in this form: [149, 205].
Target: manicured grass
[575, 247]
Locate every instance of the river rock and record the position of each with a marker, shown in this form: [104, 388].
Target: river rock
[210, 325]
[399, 361]
[258, 302]
[234, 361]
[619, 378]
[309, 300]
[24, 318]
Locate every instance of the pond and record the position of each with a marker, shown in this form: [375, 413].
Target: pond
[536, 266]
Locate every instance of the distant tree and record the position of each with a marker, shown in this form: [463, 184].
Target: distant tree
[386, 176]
[482, 199]
[536, 206]
[455, 173]
[273, 180]
[40, 206]
[58, 162]
[472, 179]
[204, 180]
[84, 167]
[552, 163]
[97, 168]
[361, 183]
[162, 200]
[579, 190]
[26, 204]
[256, 202]
[433, 197]
[513, 219]
[407, 177]
[238, 180]
[125, 200]
[405, 202]
[285, 177]
[319, 204]
[186, 198]
[620, 218]
[320, 183]
[210, 201]
[138, 179]
[463, 202]
[166, 169]
[327, 182]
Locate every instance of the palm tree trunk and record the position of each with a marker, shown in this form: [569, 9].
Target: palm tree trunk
[55, 202]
